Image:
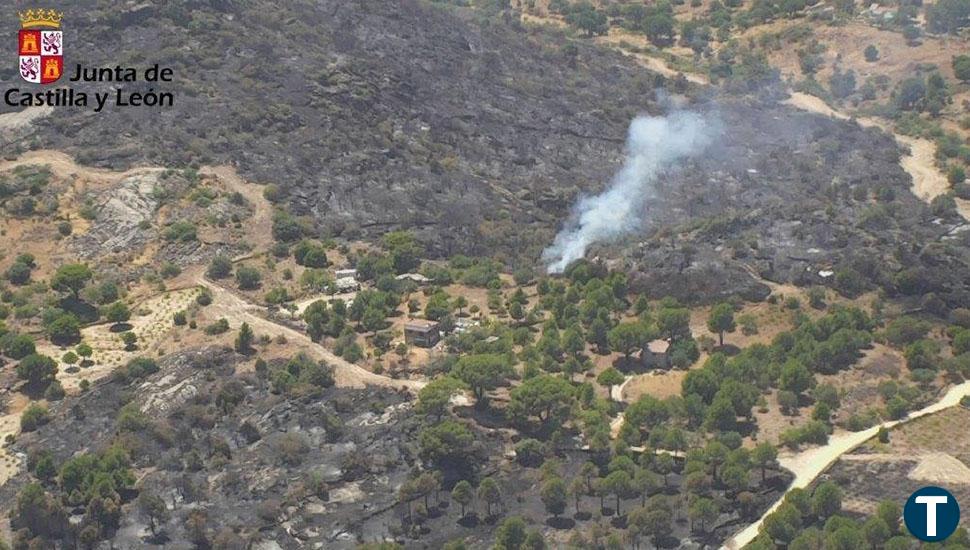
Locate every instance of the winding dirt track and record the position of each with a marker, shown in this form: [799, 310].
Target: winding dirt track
[809, 464]
[237, 310]
[919, 161]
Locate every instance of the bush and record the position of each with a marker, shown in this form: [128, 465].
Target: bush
[180, 231]
[139, 367]
[530, 452]
[179, 318]
[33, 417]
[248, 278]
[55, 391]
[956, 175]
[218, 327]
[204, 298]
[19, 346]
[219, 268]
[871, 53]
[18, 273]
[310, 254]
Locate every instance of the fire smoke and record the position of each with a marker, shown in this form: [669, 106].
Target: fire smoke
[653, 146]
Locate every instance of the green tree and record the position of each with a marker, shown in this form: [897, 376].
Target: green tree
[876, 531]
[463, 494]
[961, 67]
[129, 339]
[33, 417]
[554, 496]
[154, 508]
[482, 373]
[598, 335]
[547, 397]
[248, 278]
[764, 455]
[704, 511]
[71, 278]
[244, 340]
[627, 338]
[19, 346]
[85, 352]
[448, 443]
[609, 378]
[64, 329]
[116, 313]
[827, 500]
[405, 252]
[433, 399]
[620, 485]
[572, 341]
[585, 17]
[488, 492]
[721, 320]
[18, 273]
[38, 370]
[219, 268]
[511, 535]
[645, 482]
[660, 28]
[795, 377]
[871, 53]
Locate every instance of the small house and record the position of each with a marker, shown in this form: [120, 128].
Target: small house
[656, 354]
[463, 324]
[415, 278]
[421, 333]
[345, 274]
[346, 284]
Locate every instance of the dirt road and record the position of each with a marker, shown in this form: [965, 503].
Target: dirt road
[261, 224]
[809, 464]
[919, 162]
[64, 165]
[237, 310]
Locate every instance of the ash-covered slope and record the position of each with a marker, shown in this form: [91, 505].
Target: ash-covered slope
[479, 134]
[370, 114]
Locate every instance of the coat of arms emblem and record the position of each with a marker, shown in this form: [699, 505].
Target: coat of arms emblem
[41, 46]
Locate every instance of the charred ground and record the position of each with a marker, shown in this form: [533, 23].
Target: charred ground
[479, 132]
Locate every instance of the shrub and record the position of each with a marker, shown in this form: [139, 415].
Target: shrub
[218, 327]
[179, 318]
[33, 417]
[55, 391]
[19, 346]
[204, 298]
[871, 53]
[529, 452]
[248, 278]
[140, 367]
[18, 273]
[219, 268]
[180, 231]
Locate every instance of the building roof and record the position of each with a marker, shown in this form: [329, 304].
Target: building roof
[346, 282]
[416, 277]
[658, 346]
[420, 325]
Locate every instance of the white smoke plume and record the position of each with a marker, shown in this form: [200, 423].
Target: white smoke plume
[653, 145]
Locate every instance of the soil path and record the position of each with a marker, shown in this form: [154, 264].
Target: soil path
[260, 233]
[64, 166]
[810, 463]
[919, 162]
[229, 305]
